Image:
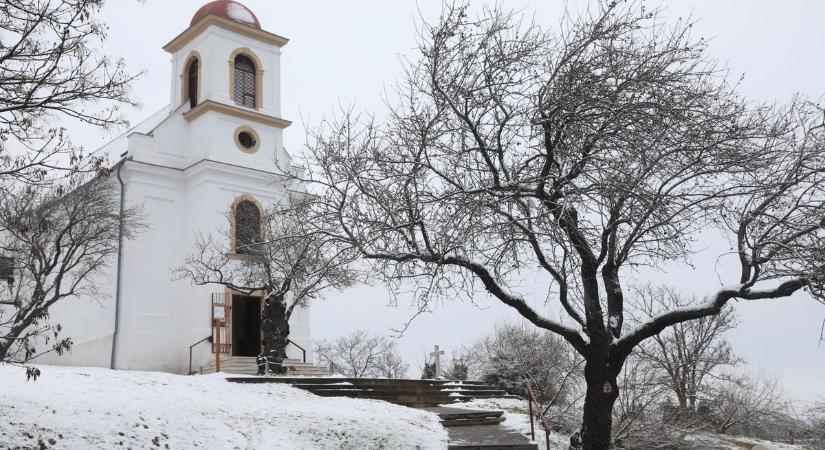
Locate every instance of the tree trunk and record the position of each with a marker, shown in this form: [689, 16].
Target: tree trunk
[683, 402]
[275, 335]
[602, 392]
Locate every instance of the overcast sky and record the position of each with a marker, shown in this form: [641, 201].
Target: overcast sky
[344, 52]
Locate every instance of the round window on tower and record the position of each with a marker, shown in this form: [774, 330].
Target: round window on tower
[247, 140]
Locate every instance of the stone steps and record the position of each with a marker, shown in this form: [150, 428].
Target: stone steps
[464, 414]
[247, 365]
[471, 418]
[471, 429]
[416, 393]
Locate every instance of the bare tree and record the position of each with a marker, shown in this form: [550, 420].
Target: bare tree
[288, 263]
[56, 234]
[53, 245]
[359, 355]
[50, 69]
[689, 354]
[391, 365]
[514, 152]
[642, 417]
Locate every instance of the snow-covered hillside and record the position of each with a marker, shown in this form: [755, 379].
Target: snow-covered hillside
[90, 408]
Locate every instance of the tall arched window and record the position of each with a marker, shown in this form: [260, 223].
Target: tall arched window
[192, 83]
[245, 81]
[247, 227]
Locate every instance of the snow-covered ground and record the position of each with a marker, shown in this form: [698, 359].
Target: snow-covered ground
[517, 418]
[91, 408]
[739, 443]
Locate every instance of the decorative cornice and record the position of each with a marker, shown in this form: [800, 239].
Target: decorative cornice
[210, 19]
[237, 111]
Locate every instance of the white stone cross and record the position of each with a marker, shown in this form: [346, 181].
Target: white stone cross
[436, 358]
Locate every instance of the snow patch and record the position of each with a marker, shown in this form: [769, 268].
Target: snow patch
[93, 408]
[585, 337]
[239, 12]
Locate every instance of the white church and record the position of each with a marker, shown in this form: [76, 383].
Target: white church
[216, 149]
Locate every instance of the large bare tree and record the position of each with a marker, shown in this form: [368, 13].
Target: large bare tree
[287, 262]
[513, 152]
[51, 70]
[53, 245]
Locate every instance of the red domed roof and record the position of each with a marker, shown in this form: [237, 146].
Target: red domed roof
[228, 9]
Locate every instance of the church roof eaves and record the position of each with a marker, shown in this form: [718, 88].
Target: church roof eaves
[211, 19]
[237, 111]
[118, 146]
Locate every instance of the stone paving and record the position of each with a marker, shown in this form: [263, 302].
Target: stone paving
[480, 437]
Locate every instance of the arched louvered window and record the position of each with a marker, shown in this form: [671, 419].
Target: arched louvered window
[245, 81]
[247, 227]
[192, 86]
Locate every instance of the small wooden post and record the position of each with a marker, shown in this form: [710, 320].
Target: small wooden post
[217, 345]
[530, 412]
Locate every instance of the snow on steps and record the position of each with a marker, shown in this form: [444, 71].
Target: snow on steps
[468, 417]
[247, 365]
[413, 393]
[476, 429]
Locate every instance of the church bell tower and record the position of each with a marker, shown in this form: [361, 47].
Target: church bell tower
[226, 80]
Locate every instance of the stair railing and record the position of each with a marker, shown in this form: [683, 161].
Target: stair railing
[207, 338]
[303, 351]
[531, 399]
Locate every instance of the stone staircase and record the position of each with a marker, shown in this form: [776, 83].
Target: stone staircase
[412, 393]
[472, 429]
[247, 365]
[470, 390]
[455, 417]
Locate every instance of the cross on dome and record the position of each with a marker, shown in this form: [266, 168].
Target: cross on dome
[228, 9]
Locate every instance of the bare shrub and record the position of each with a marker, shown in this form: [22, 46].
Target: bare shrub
[359, 355]
[745, 405]
[517, 355]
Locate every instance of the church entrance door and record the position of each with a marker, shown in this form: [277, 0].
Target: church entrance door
[246, 325]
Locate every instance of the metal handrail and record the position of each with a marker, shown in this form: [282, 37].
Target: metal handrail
[530, 400]
[289, 341]
[208, 338]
